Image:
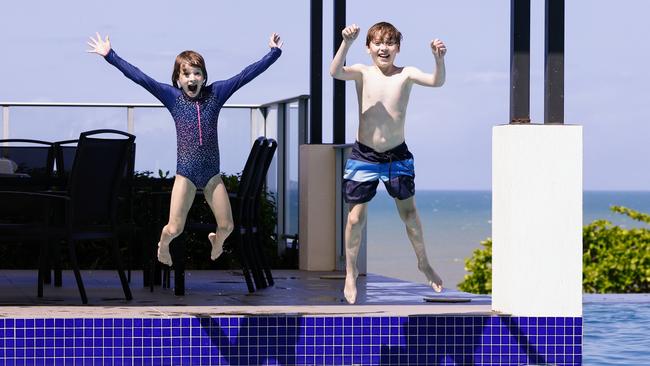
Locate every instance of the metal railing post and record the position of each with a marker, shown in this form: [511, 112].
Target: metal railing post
[303, 121]
[5, 122]
[258, 124]
[130, 122]
[282, 175]
[520, 61]
[554, 63]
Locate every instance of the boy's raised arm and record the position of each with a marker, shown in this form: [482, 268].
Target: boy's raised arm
[337, 70]
[436, 79]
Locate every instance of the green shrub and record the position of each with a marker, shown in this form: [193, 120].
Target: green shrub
[615, 259]
[479, 267]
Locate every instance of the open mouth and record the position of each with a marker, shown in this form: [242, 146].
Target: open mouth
[192, 88]
[384, 56]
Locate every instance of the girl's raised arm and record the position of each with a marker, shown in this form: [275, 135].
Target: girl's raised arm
[225, 88]
[163, 92]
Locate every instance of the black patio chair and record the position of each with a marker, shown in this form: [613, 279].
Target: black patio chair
[65, 152]
[31, 168]
[88, 209]
[33, 162]
[25, 217]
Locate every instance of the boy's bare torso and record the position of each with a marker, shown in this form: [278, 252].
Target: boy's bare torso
[382, 107]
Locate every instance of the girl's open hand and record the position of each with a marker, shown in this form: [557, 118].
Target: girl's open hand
[275, 41]
[99, 46]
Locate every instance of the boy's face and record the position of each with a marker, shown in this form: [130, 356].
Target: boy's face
[383, 51]
[191, 80]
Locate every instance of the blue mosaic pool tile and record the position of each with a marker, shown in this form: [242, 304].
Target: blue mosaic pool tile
[418, 340]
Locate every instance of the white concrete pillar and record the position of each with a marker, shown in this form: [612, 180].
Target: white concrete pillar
[537, 220]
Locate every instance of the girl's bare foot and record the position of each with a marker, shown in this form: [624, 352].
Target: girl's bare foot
[163, 254]
[217, 248]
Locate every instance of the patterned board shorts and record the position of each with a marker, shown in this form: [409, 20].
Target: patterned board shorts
[365, 167]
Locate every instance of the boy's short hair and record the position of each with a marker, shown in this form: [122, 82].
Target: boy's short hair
[191, 58]
[384, 31]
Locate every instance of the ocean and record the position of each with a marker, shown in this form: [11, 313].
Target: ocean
[454, 224]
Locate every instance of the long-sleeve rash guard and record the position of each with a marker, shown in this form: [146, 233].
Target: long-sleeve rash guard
[195, 118]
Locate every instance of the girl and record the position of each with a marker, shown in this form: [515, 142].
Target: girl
[195, 107]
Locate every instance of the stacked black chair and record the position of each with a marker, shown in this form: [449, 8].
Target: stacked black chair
[255, 212]
[240, 203]
[88, 208]
[246, 211]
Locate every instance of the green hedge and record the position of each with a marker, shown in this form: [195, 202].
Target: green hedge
[615, 259]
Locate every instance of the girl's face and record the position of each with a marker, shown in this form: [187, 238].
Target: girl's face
[191, 80]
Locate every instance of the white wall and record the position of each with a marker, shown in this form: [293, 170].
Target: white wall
[537, 220]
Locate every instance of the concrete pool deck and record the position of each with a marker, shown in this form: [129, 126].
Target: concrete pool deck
[215, 293]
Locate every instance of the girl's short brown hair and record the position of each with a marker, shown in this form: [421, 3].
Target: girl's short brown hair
[384, 31]
[191, 58]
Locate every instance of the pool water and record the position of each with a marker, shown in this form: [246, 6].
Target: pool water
[616, 329]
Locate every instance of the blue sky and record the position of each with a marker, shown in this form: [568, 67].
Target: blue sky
[448, 129]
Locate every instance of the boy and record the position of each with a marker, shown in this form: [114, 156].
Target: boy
[380, 152]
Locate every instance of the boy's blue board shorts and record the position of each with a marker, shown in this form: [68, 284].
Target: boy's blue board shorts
[365, 167]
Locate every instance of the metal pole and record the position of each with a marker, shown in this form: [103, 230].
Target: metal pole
[303, 127]
[520, 61]
[130, 123]
[554, 63]
[5, 122]
[316, 72]
[282, 176]
[338, 107]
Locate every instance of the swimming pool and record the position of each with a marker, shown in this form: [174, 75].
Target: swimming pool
[615, 329]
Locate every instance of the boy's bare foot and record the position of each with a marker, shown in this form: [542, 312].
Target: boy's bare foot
[434, 280]
[163, 254]
[350, 290]
[217, 248]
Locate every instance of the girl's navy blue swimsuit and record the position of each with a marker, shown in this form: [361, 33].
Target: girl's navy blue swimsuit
[195, 119]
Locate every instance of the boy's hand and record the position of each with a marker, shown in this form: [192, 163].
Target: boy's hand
[274, 41]
[99, 46]
[438, 48]
[350, 33]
